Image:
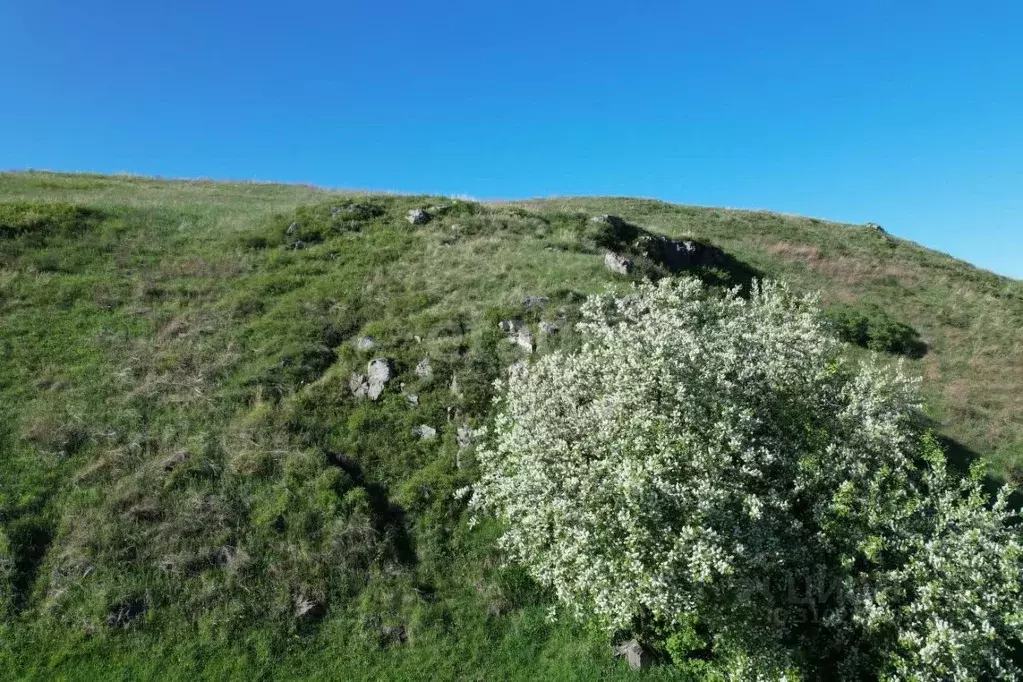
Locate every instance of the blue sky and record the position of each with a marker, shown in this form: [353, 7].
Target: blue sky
[909, 114]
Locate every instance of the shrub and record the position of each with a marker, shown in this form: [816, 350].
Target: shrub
[714, 460]
[19, 218]
[876, 331]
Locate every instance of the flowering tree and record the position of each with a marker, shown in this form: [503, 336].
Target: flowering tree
[711, 463]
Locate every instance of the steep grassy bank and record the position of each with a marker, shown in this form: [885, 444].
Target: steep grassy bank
[189, 484]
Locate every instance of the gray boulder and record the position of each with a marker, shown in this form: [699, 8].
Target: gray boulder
[425, 432]
[617, 263]
[417, 216]
[365, 343]
[549, 328]
[632, 651]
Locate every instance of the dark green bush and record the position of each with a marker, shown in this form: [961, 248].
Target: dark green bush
[19, 218]
[875, 330]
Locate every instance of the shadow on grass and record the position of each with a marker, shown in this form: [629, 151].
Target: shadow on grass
[656, 256]
[30, 539]
[389, 519]
[960, 458]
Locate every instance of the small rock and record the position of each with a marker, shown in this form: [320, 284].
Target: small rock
[518, 333]
[511, 326]
[393, 634]
[412, 398]
[175, 460]
[455, 388]
[638, 657]
[517, 369]
[876, 227]
[307, 608]
[292, 229]
[356, 211]
[612, 220]
[524, 339]
[365, 343]
[548, 328]
[424, 369]
[530, 302]
[425, 432]
[617, 263]
[417, 216]
[464, 436]
[379, 374]
[298, 245]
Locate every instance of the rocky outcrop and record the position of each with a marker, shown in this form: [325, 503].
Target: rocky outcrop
[676, 255]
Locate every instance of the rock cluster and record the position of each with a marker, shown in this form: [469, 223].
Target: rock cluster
[371, 384]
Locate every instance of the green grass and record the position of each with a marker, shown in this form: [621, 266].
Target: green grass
[184, 465]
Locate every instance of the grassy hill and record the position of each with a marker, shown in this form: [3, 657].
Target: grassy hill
[190, 486]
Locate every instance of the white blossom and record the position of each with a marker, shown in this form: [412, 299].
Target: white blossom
[714, 455]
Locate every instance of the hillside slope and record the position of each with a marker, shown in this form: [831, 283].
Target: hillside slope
[190, 482]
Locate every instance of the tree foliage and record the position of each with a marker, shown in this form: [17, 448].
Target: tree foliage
[713, 460]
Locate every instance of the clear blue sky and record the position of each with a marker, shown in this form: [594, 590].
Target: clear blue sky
[909, 114]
